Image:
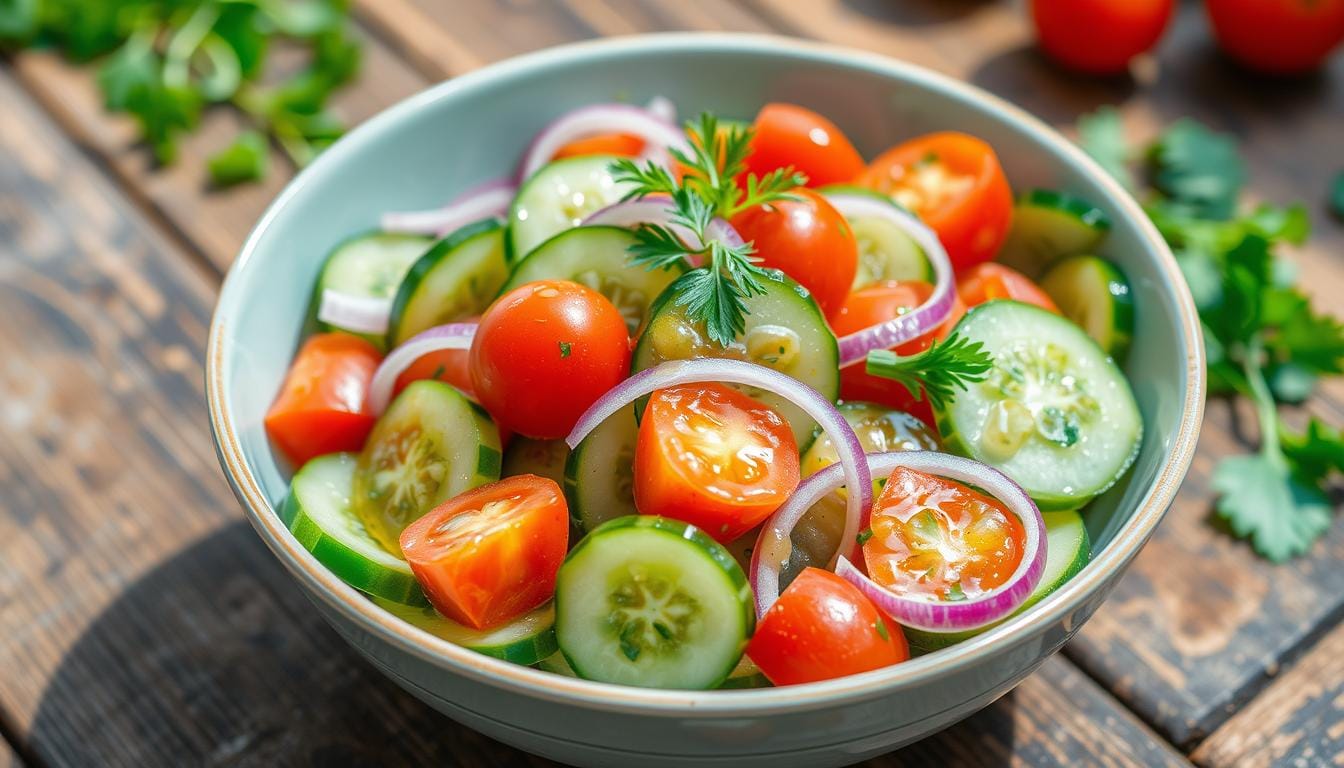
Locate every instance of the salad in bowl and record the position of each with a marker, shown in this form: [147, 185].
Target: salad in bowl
[713, 403]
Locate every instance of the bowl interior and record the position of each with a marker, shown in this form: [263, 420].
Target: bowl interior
[421, 153]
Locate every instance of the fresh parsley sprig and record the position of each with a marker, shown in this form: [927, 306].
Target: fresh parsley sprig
[1263, 339]
[937, 372]
[708, 188]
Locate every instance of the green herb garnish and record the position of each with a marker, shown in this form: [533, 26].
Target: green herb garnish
[864, 536]
[714, 293]
[1263, 339]
[937, 372]
[565, 348]
[881, 627]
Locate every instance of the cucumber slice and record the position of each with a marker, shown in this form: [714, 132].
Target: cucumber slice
[318, 512]
[370, 265]
[879, 428]
[529, 456]
[1094, 293]
[746, 675]
[431, 444]
[600, 473]
[526, 640]
[597, 257]
[457, 278]
[652, 602]
[556, 664]
[886, 252]
[784, 330]
[1048, 225]
[1067, 550]
[559, 196]
[1055, 413]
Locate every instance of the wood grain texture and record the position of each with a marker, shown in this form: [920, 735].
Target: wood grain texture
[143, 621]
[7, 757]
[210, 222]
[1298, 720]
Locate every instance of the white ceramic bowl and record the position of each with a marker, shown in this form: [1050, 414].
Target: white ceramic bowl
[422, 151]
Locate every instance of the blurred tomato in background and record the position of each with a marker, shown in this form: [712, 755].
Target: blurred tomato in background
[1278, 36]
[1100, 36]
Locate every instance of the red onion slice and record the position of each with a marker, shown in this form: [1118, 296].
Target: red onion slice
[930, 615]
[360, 314]
[670, 374]
[658, 210]
[662, 108]
[481, 202]
[450, 336]
[658, 134]
[855, 347]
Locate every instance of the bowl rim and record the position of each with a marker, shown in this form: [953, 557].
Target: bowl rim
[354, 607]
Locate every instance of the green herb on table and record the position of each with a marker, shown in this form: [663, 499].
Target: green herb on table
[1263, 339]
[714, 294]
[164, 62]
[1337, 196]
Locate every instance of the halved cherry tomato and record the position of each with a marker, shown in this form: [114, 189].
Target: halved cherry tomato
[544, 352]
[786, 134]
[937, 538]
[809, 240]
[713, 457]
[877, 303]
[822, 627]
[1100, 36]
[491, 554]
[955, 184]
[1278, 36]
[619, 144]
[322, 404]
[989, 281]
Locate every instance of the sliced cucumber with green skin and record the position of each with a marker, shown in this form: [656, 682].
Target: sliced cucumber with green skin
[1048, 225]
[529, 456]
[1067, 550]
[431, 444]
[526, 640]
[556, 664]
[652, 602]
[458, 277]
[1094, 293]
[1055, 413]
[600, 473]
[370, 265]
[785, 330]
[599, 258]
[746, 675]
[558, 196]
[886, 252]
[319, 514]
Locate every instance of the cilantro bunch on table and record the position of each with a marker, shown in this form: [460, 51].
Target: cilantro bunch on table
[1263, 338]
[164, 62]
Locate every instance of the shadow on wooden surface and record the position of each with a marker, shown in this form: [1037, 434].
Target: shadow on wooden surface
[1027, 78]
[915, 12]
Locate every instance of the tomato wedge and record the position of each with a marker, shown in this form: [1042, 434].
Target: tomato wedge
[790, 135]
[321, 407]
[990, 281]
[491, 554]
[939, 539]
[822, 627]
[874, 304]
[618, 144]
[713, 457]
[955, 184]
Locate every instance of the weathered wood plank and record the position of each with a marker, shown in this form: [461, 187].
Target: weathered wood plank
[143, 621]
[7, 757]
[211, 222]
[1298, 720]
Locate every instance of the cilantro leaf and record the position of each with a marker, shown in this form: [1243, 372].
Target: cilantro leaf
[247, 159]
[1102, 135]
[1199, 170]
[1316, 453]
[1260, 499]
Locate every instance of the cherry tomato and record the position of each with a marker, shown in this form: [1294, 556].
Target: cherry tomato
[955, 184]
[786, 134]
[321, 407]
[809, 240]
[546, 351]
[1278, 36]
[491, 554]
[877, 303]
[990, 281]
[618, 144]
[937, 538]
[822, 627]
[713, 457]
[1099, 37]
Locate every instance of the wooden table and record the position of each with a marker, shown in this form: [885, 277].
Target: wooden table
[142, 623]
